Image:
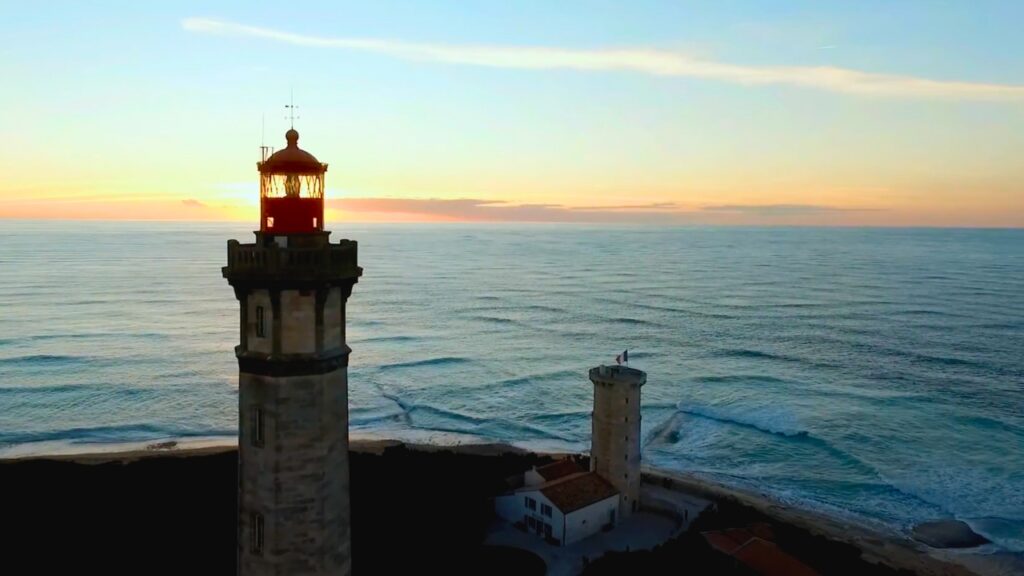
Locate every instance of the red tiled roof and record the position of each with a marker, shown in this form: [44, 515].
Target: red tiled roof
[728, 541]
[722, 542]
[578, 491]
[559, 469]
[758, 554]
[767, 559]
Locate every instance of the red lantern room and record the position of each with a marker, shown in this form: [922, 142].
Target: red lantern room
[291, 190]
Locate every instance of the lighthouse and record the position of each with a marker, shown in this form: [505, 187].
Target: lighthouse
[615, 431]
[292, 285]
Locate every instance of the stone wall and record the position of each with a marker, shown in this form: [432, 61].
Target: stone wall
[299, 479]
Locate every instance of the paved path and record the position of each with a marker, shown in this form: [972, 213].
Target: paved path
[686, 506]
[640, 531]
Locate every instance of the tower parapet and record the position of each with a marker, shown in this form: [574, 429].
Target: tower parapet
[311, 261]
[615, 432]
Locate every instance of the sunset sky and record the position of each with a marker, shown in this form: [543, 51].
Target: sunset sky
[758, 112]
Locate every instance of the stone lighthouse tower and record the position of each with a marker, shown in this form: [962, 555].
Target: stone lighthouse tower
[292, 284]
[615, 433]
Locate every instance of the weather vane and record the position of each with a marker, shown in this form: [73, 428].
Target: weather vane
[291, 109]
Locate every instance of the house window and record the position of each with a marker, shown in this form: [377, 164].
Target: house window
[270, 221]
[257, 427]
[256, 527]
[531, 523]
[260, 329]
[531, 503]
[545, 510]
[547, 530]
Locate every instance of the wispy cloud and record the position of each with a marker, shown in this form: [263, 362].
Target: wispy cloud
[193, 203]
[659, 206]
[782, 209]
[476, 210]
[646, 61]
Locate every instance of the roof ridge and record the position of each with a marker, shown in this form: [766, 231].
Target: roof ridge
[554, 482]
[750, 540]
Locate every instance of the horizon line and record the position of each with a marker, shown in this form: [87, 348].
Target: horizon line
[532, 223]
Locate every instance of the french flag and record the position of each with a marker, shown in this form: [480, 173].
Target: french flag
[624, 357]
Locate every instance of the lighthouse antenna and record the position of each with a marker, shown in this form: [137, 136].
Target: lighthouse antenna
[265, 151]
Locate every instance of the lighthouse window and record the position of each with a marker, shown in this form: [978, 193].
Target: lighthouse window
[270, 221]
[260, 331]
[256, 521]
[257, 427]
[315, 219]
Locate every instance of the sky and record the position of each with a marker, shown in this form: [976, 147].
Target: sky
[868, 113]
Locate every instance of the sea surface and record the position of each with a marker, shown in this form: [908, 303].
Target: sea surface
[872, 373]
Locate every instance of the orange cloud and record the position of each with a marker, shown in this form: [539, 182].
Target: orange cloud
[475, 210]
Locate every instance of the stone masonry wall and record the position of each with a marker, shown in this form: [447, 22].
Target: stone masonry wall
[298, 480]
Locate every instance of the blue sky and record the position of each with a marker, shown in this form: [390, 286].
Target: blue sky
[130, 109]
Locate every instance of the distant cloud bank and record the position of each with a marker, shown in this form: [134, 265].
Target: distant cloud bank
[193, 203]
[476, 210]
[646, 61]
[782, 209]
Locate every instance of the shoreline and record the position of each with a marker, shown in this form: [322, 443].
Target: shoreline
[878, 543]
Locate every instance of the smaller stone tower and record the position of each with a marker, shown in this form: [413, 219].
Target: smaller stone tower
[615, 433]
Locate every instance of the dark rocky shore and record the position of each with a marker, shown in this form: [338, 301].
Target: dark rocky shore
[412, 509]
[176, 513]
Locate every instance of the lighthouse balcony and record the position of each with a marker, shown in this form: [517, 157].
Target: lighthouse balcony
[270, 263]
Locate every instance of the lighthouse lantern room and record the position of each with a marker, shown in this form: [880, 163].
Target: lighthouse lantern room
[291, 190]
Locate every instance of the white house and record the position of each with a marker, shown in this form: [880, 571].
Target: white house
[561, 503]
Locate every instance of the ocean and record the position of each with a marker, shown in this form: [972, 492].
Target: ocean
[876, 374]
